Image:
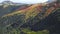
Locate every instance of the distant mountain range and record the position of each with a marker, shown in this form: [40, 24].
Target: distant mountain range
[9, 6]
[13, 3]
[10, 3]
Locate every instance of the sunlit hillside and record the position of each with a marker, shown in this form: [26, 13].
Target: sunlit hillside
[30, 19]
[21, 17]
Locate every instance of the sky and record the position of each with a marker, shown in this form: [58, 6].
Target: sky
[26, 1]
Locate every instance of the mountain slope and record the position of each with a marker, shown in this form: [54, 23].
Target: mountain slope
[20, 17]
[27, 17]
[23, 16]
[11, 8]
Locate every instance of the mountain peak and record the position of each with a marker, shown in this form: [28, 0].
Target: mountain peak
[7, 2]
[10, 3]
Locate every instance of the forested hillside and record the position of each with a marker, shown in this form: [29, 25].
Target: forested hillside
[30, 19]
